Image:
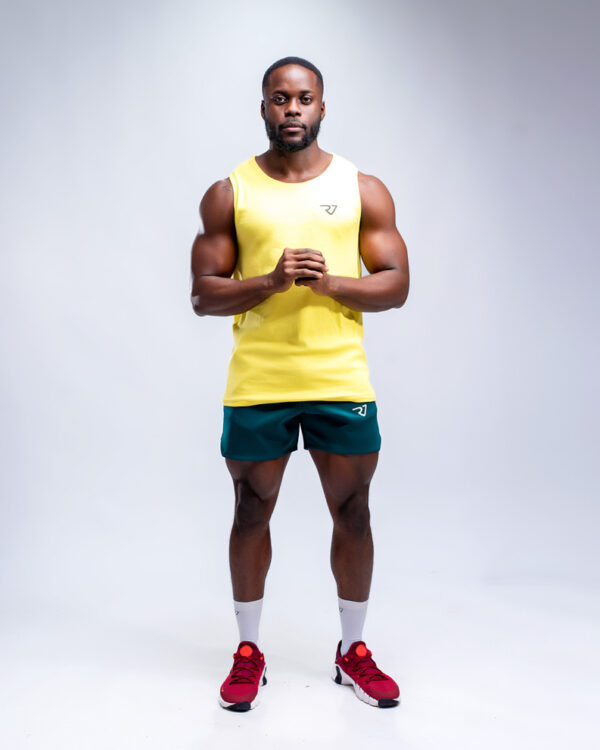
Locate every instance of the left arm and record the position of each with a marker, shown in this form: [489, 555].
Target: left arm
[383, 252]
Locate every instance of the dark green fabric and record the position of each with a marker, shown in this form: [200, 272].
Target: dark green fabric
[266, 431]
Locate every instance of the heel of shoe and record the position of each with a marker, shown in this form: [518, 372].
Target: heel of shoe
[340, 677]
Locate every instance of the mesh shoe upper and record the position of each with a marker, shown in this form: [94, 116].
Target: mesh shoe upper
[358, 664]
[243, 680]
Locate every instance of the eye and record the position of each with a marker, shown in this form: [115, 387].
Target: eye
[306, 99]
[278, 99]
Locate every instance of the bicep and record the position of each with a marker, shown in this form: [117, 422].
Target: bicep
[381, 244]
[214, 251]
[213, 255]
[383, 249]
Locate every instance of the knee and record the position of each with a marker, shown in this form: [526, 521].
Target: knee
[252, 509]
[352, 515]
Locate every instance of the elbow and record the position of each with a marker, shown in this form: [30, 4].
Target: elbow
[197, 305]
[403, 293]
[401, 299]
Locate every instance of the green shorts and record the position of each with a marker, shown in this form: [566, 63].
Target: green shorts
[267, 431]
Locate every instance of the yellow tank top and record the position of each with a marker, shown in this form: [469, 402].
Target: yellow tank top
[297, 345]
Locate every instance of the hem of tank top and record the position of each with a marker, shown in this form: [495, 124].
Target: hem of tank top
[282, 182]
[257, 402]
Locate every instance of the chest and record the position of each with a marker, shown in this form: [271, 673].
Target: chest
[320, 214]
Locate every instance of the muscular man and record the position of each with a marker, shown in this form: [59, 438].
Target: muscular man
[283, 238]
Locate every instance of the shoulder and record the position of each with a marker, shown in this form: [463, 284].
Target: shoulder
[218, 195]
[371, 186]
[376, 200]
[219, 190]
[216, 205]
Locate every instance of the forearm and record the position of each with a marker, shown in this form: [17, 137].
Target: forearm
[373, 293]
[218, 295]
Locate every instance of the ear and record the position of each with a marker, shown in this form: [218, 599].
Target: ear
[262, 109]
[322, 110]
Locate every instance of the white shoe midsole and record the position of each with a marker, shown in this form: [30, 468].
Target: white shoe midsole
[347, 680]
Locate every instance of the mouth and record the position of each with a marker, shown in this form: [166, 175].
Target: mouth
[292, 127]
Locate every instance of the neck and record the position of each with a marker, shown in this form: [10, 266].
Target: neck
[294, 164]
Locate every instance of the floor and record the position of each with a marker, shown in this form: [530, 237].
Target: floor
[479, 666]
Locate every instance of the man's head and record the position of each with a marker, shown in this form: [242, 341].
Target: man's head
[292, 105]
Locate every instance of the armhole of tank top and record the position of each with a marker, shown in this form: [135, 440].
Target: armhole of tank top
[358, 197]
[233, 178]
[234, 184]
[359, 208]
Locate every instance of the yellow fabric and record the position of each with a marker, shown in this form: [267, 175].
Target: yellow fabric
[297, 345]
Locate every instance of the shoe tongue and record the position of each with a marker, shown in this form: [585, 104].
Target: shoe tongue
[358, 648]
[247, 648]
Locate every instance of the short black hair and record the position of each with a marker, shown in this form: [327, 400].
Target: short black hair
[292, 61]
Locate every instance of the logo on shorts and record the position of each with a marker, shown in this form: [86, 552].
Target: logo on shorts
[362, 410]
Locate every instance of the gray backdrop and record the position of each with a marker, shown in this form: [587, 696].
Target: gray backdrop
[482, 120]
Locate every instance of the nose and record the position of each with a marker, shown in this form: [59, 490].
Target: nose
[293, 108]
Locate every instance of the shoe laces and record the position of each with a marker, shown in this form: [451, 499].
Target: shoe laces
[244, 669]
[367, 669]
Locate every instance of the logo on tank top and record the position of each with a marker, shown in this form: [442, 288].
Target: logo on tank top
[362, 410]
[329, 207]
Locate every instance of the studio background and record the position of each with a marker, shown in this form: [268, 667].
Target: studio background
[482, 120]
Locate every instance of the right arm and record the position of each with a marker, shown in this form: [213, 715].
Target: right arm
[214, 256]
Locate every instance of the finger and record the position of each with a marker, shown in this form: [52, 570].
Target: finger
[303, 273]
[318, 265]
[297, 269]
[305, 252]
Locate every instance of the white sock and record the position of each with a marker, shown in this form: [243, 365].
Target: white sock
[352, 615]
[248, 618]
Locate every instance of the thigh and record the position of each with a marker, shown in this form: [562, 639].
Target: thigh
[260, 433]
[344, 476]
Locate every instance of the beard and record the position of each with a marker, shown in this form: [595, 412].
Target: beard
[310, 133]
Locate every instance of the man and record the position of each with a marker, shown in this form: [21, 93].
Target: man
[280, 252]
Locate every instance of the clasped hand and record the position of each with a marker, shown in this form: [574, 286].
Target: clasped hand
[303, 267]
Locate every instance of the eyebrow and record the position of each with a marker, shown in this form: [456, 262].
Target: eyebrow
[282, 91]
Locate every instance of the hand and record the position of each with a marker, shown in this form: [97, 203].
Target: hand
[298, 264]
[324, 285]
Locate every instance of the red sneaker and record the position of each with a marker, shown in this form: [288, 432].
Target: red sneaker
[239, 692]
[371, 685]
